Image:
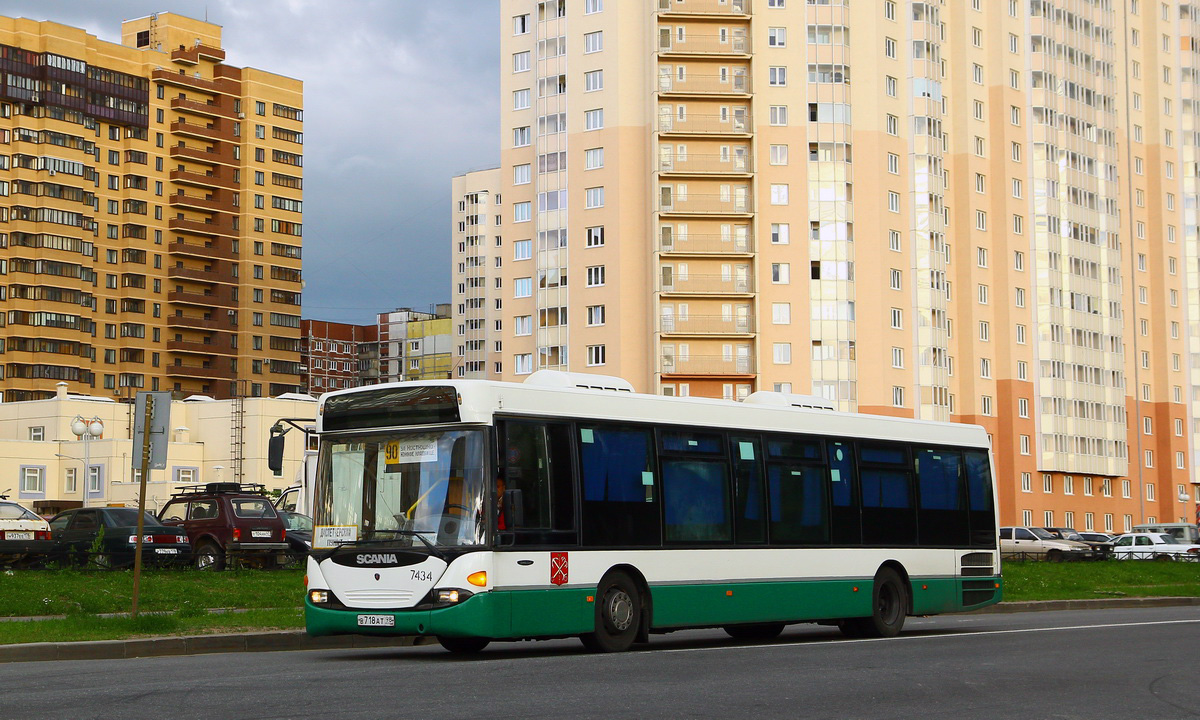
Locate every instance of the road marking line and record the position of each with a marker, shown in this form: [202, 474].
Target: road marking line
[964, 634]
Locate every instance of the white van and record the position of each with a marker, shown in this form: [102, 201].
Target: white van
[1185, 533]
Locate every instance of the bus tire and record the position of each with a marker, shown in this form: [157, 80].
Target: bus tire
[889, 605]
[757, 631]
[463, 645]
[618, 614]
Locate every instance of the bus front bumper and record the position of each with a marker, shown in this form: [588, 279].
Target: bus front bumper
[482, 615]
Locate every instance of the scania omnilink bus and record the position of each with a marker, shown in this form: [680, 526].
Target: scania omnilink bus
[568, 505]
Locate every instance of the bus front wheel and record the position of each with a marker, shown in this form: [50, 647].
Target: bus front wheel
[889, 605]
[618, 614]
[463, 645]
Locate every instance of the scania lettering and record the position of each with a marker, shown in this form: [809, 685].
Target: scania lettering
[568, 505]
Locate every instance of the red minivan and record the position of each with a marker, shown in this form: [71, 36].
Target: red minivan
[228, 522]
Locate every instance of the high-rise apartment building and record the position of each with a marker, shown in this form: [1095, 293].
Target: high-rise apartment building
[150, 214]
[980, 211]
[415, 345]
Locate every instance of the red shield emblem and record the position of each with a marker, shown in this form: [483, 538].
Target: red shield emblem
[558, 568]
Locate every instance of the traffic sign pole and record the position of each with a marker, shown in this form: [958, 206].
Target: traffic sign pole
[141, 518]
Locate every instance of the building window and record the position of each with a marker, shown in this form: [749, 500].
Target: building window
[520, 62]
[776, 37]
[778, 115]
[523, 287]
[33, 479]
[595, 276]
[593, 158]
[779, 194]
[593, 119]
[595, 315]
[782, 353]
[779, 233]
[595, 355]
[593, 198]
[781, 273]
[594, 236]
[593, 42]
[523, 364]
[593, 80]
[777, 76]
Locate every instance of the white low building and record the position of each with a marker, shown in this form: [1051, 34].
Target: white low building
[42, 461]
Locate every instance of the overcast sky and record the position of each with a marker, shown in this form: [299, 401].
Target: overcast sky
[399, 96]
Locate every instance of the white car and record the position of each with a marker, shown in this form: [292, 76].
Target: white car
[23, 534]
[1035, 542]
[1153, 546]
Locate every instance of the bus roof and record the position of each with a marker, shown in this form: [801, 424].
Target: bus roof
[480, 401]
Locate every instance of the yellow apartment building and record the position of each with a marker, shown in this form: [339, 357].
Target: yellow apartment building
[973, 210]
[150, 214]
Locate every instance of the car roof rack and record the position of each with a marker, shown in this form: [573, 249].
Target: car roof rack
[220, 488]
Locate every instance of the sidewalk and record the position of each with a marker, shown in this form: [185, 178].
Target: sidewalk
[299, 640]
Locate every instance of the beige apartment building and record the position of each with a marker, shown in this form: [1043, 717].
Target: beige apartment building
[980, 211]
[150, 214]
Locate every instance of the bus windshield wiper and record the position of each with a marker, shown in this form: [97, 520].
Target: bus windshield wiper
[408, 533]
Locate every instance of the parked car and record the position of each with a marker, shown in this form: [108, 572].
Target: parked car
[299, 535]
[1034, 541]
[24, 536]
[228, 521]
[1101, 547]
[1153, 546]
[1186, 533]
[107, 537]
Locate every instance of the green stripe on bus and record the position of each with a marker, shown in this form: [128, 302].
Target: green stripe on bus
[543, 613]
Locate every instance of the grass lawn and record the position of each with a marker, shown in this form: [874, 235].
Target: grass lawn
[1109, 579]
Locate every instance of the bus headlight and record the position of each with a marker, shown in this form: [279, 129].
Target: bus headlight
[318, 597]
[451, 596]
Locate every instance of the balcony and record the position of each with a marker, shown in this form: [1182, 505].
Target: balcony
[704, 7]
[705, 325]
[206, 132]
[220, 226]
[214, 252]
[212, 276]
[210, 203]
[193, 55]
[702, 44]
[736, 203]
[706, 243]
[706, 365]
[216, 347]
[735, 83]
[208, 180]
[212, 156]
[199, 371]
[737, 123]
[701, 164]
[202, 299]
[693, 284]
[210, 109]
[198, 323]
[180, 79]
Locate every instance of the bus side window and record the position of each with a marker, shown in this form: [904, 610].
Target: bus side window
[942, 518]
[979, 494]
[845, 514]
[889, 513]
[527, 475]
[695, 486]
[750, 517]
[796, 492]
[620, 496]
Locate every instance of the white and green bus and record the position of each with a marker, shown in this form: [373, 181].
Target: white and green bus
[567, 505]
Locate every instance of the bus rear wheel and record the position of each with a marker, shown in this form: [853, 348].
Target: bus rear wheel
[889, 605]
[758, 631]
[618, 615]
[463, 645]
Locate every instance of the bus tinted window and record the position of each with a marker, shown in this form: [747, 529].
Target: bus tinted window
[527, 473]
[687, 442]
[696, 501]
[882, 454]
[794, 449]
[751, 523]
[938, 474]
[845, 517]
[979, 493]
[619, 495]
[798, 505]
[885, 489]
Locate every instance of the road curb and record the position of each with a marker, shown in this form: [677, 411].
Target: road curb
[283, 640]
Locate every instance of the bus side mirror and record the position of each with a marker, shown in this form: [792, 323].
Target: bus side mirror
[514, 510]
[275, 454]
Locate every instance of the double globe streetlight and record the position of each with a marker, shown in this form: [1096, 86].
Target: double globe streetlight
[86, 430]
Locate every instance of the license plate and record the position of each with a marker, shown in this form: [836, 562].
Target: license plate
[376, 621]
[260, 533]
[17, 535]
[167, 551]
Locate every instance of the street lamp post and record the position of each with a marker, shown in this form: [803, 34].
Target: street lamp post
[86, 430]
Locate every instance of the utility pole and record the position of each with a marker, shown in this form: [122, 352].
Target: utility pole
[141, 516]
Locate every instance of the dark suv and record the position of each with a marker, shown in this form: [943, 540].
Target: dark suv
[227, 522]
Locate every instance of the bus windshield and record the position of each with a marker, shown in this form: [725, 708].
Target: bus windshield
[405, 488]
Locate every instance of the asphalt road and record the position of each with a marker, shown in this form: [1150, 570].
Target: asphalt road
[1070, 664]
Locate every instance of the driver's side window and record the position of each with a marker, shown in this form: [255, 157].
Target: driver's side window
[174, 512]
[1124, 541]
[1023, 534]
